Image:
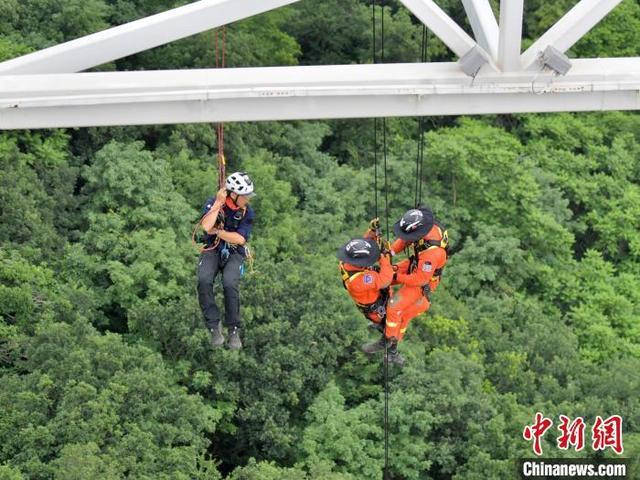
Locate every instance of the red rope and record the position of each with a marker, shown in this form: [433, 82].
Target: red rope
[220, 63]
[224, 46]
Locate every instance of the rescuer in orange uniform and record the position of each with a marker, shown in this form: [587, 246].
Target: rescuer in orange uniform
[419, 275]
[367, 284]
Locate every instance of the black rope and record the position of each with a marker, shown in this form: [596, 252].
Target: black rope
[421, 123]
[386, 410]
[386, 190]
[375, 120]
[384, 129]
[382, 31]
[375, 165]
[386, 211]
[373, 27]
[419, 157]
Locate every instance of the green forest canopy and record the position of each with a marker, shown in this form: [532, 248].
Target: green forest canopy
[105, 368]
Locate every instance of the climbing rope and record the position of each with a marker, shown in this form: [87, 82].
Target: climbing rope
[220, 37]
[421, 123]
[375, 120]
[386, 211]
[220, 58]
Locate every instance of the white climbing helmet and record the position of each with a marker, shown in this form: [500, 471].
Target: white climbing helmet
[240, 183]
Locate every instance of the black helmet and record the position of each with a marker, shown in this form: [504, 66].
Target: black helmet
[360, 252]
[414, 224]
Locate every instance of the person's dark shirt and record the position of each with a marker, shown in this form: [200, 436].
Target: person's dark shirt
[234, 221]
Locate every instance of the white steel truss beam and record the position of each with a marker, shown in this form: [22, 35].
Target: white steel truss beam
[441, 24]
[291, 93]
[510, 35]
[134, 37]
[569, 29]
[484, 25]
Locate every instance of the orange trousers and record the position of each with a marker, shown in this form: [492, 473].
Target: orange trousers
[406, 303]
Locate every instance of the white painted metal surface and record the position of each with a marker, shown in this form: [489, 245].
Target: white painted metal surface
[287, 93]
[35, 94]
[484, 25]
[510, 35]
[134, 37]
[441, 25]
[570, 28]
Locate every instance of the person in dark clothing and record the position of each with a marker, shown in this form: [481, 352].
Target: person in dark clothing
[227, 221]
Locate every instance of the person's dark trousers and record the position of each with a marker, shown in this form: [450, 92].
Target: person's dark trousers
[208, 268]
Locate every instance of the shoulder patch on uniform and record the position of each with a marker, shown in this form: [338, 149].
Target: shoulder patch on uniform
[368, 278]
[427, 267]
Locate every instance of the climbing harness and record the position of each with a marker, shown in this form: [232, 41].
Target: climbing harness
[424, 245]
[378, 307]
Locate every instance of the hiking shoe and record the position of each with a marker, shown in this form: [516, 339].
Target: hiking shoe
[373, 347]
[215, 336]
[234, 342]
[395, 357]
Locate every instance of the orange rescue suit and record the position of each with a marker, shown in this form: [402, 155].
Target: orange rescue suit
[409, 301]
[365, 285]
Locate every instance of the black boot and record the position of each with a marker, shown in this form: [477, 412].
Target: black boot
[234, 339]
[373, 347]
[215, 336]
[376, 326]
[394, 356]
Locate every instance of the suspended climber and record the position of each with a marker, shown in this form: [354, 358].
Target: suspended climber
[418, 276]
[367, 283]
[227, 220]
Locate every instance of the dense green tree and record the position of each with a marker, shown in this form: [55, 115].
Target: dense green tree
[45, 23]
[347, 441]
[86, 404]
[136, 225]
[36, 195]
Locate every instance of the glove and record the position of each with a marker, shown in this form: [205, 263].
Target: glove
[385, 247]
[374, 224]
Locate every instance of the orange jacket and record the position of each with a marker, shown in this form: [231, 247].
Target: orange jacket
[364, 284]
[430, 262]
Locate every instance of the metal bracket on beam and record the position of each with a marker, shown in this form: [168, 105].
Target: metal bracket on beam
[472, 61]
[555, 60]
